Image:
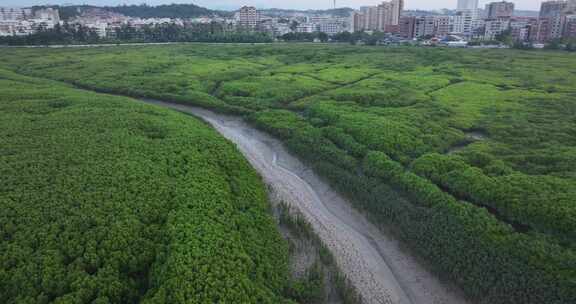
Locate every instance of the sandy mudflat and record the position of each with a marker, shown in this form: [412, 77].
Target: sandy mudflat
[373, 261]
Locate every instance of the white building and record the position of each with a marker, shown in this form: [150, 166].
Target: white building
[466, 22]
[331, 28]
[330, 25]
[49, 15]
[19, 21]
[16, 28]
[306, 28]
[282, 29]
[319, 19]
[13, 14]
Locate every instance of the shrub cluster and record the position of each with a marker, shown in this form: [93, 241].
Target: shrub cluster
[105, 200]
[485, 256]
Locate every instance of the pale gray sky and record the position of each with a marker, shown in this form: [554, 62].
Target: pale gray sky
[299, 4]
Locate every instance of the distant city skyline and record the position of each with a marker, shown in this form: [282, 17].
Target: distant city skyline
[287, 4]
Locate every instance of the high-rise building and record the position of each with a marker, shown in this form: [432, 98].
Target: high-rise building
[501, 9]
[407, 26]
[554, 8]
[571, 7]
[385, 11]
[248, 17]
[379, 18]
[371, 22]
[467, 4]
[467, 18]
[555, 20]
[392, 12]
[358, 21]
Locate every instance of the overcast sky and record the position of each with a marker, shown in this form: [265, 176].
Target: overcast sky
[299, 4]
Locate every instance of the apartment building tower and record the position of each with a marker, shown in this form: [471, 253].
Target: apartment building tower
[496, 10]
[407, 27]
[553, 8]
[379, 18]
[554, 21]
[467, 4]
[571, 7]
[248, 17]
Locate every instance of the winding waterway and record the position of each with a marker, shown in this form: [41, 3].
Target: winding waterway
[373, 261]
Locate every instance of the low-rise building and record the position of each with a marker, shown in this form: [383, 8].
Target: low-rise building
[16, 28]
[443, 25]
[21, 21]
[494, 27]
[416, 27]
[425, 26]
[331, 28]
[14, 14]
[521, 27]
[306, 28]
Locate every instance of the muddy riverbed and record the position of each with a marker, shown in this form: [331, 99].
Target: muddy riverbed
[376, 265]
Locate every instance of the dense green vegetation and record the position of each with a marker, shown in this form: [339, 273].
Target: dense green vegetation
[469, 155]
[104, 200]
[74, 34]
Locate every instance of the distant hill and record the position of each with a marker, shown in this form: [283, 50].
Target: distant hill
[143, 11]
[166, 11]
[66, 12]
[193, 11]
